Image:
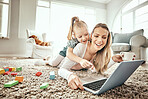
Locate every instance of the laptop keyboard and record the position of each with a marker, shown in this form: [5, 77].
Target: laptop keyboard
[95, 85]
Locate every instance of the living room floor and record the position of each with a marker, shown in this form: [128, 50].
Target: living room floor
[135, 87]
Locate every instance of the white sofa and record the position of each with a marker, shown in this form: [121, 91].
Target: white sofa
[133, 42]
[36, 51]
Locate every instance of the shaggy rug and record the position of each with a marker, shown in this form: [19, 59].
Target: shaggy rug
[135, 87]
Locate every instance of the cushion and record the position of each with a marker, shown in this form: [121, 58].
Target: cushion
[118, 47]
[125, 37]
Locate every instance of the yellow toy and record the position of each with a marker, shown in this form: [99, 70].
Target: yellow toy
[13, 69]
[2, 71]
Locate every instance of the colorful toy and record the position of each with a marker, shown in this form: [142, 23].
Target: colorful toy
[11, 83]
[19, 78]
[38, 73]
[2, 71]
[13, 69]
[19, 69]
[52, 75]
[7, 73]
[6, 69]
[13, 74]
[44, 85]
[10, 69]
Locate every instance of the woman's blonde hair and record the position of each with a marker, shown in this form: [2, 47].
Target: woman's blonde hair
[75, 23]
[102, 57]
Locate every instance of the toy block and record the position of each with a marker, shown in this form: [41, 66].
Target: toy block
[44, 85]
[19, 78]
[11, 83]
[10, 69]
[38, 74]
[52, 75]
[2, 71]
[13, 74]
[13, 69]
[6, 69]
[19, 69]
[7, 73]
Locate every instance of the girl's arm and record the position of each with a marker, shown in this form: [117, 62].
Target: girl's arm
[72, 56]
[83, 62]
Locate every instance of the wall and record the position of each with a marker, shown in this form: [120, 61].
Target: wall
[27, 17]
[23, 14]
[84, 3]
[100, 8]
[113, 7]
[20, 13]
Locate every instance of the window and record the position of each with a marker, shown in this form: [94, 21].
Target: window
[127, 22]
[141, 18]
[61, 14]
[42, 16]
[54, 18]
[130, 5]
[4, 18]
[133, 16]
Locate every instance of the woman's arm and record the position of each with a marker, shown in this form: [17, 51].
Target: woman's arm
[115, 58]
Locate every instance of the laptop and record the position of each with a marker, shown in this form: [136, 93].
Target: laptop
[117, 78]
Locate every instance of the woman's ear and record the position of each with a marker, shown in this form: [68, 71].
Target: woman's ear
[73, 35]
[91, 35]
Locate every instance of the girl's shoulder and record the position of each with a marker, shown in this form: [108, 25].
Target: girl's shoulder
[72, 43]
[74, 40]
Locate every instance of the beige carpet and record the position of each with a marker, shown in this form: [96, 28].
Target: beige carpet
[135, 87]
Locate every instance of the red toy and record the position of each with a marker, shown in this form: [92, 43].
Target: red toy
[10, 69]
[38, 74]
[7, 73]
[13, 74]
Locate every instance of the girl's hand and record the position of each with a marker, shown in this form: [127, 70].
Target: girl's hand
[74, 82]
[86, 64]
[117, 58]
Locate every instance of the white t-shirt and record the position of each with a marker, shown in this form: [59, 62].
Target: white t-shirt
[67, 64]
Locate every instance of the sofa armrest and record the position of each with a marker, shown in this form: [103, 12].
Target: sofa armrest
[31, 40]
[138, 40]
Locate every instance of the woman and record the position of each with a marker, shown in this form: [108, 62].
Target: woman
[98, 51]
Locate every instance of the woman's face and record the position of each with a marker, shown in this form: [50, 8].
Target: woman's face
[99, 38]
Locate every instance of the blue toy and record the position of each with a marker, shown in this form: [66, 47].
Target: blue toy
[52, 75]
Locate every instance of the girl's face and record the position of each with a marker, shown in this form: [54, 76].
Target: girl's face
[99, 38]
[81, 34]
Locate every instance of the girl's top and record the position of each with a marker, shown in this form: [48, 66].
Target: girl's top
[71, 43]
[66, 64]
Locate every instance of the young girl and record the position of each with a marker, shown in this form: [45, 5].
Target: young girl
[78, 33]
[98, 50]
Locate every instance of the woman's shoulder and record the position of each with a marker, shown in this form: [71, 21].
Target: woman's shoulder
[81, 45]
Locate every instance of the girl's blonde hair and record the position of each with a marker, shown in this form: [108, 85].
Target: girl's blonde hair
[102, 57]
[75, 23]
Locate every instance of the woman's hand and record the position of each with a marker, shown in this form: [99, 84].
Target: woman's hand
[117, 58]
[76, 67]
[74, 82]
[86, 64]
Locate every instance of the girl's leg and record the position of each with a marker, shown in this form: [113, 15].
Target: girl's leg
[56, 60]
